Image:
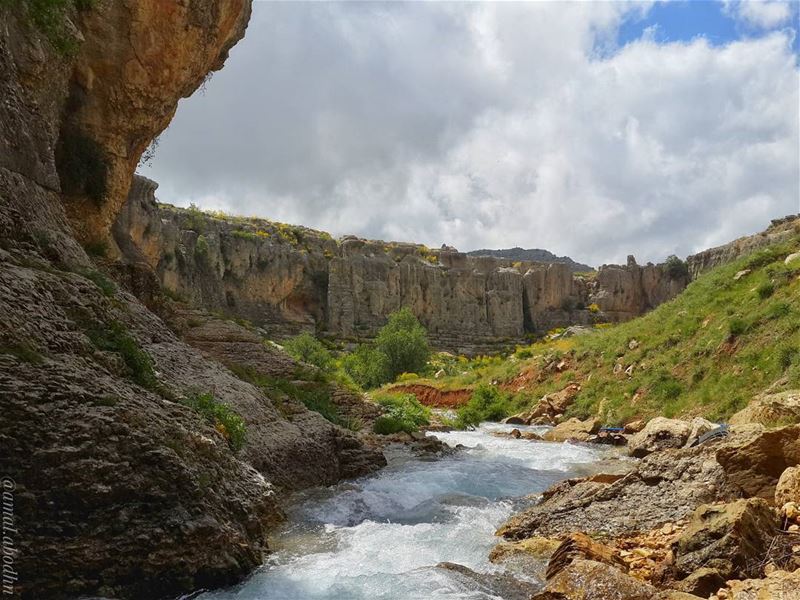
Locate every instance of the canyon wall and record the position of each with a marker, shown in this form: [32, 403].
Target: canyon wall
[780, 230]
[288, 279]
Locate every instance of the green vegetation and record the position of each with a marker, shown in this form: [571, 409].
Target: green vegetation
[403, 413]
[401, 347]
[115, 338]
[676, 268]
[50, 16]
[220, 416]
[96, 249]
[82, 166]
[23, 351]
[104, 284]
[314, 394]
[308, 349]
[707, 352]
[487, 403]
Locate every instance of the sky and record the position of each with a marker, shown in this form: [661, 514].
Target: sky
[591, 129]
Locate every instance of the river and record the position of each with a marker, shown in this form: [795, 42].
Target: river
[380, 537]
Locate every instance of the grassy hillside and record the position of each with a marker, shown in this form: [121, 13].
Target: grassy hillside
[707, 352]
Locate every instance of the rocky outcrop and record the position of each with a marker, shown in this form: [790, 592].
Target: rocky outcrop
[137, 59]
[124, 490]
[533, 255]
[780, 230]
[289, 279]
[781, 408]
[662, 433]
[732, 539]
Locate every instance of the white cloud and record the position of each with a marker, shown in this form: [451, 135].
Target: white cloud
[763, 14]
[486, 125]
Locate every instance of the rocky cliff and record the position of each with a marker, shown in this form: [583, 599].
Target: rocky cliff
[533, 255]
[780, 230]
[288, 278]
[119, 488]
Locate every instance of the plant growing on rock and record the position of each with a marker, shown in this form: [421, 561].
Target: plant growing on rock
[220, 416]
[308, 349]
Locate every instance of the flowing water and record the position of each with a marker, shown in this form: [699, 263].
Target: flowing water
[380, 537]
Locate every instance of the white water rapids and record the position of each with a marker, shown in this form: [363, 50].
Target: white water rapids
[380, 537]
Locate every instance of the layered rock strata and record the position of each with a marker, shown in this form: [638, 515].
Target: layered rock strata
[289, 279]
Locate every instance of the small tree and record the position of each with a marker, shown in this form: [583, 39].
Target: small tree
[676, 268]
[404, 342]
[308, 349]
[367, 366]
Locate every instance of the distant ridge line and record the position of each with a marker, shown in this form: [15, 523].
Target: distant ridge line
[532, 254]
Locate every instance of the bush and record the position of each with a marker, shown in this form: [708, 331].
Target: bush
[487, 403]
[367, 366]
[676, 268]
[403, 411]
[220, 416]
[404, 342]
[786, 356]
[308, 349]
[387, 425]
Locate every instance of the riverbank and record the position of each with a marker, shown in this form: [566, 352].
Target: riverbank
[386, 535]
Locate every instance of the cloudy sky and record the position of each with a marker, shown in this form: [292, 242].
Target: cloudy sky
[590, 129]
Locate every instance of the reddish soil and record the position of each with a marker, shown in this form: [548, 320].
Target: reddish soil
[431, 396]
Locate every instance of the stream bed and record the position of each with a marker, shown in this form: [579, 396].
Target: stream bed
[381, 536]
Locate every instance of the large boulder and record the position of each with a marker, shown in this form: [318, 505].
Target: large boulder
[755, 465]
[535, 547]
[732, 538]
[788, 488]
[579, 546]
[778, 585]
[495, 585]
[574, 430]
[659, 434]
[770, 409]
[590, 580]
[547, 408]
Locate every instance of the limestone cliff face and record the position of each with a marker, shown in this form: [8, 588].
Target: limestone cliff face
[120, 489]
[292, 278]
[779, 230]
[137, 59]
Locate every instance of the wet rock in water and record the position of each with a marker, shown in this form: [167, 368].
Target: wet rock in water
[788, 488]
[590, 580]
[573, 429]
[495, 584]
[768, 409]
[579, 546]
[535, 547]
[731, 538]
[755, 465]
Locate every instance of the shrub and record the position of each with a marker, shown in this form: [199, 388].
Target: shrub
[406, 377]
[786, 356]
[487, 403]
[308, 349]
[97, 248]
[403, 409]
[765, 290]
[195, 219]
[82, 166]
[594, 308]
[115, 338]
[386, 425]
[106, 286]
[367, 366]
[676, 268]
[404, 342]
[220, 416]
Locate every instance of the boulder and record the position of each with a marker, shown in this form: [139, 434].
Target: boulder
[634, 427]
[731, 538]
[590, 580]
[778, 585]
[755, 465]
[770, 409]
[703, 582]
[794, 256]
[788, 488]
[579, 546]
[573, 429]
[535, 547]
[659, 434]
